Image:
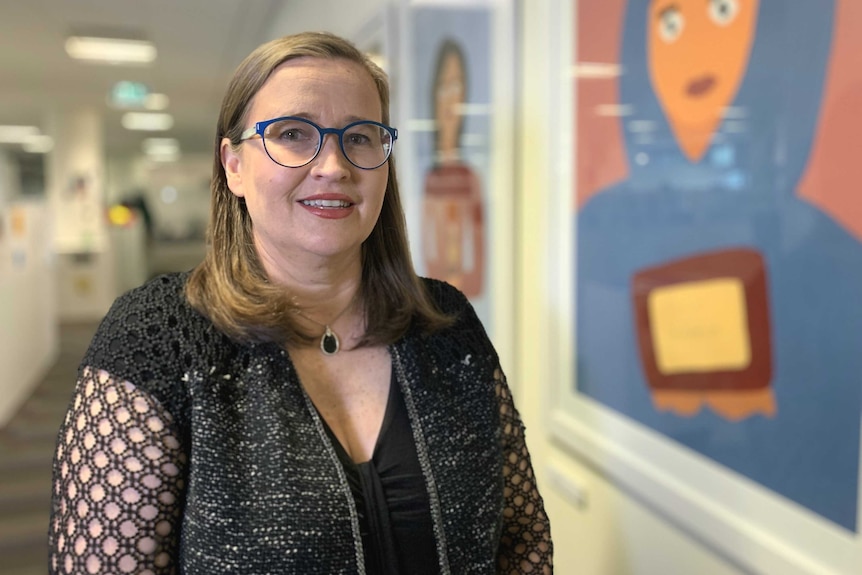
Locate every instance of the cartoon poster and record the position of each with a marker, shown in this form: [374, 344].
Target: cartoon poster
[719, 233]
[451, 75]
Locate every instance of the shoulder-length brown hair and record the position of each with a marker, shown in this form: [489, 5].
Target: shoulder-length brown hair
[231, 287]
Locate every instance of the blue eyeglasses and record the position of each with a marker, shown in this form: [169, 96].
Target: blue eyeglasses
[293, 142]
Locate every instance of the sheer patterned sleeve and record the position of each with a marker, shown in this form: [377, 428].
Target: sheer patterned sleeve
[525, 544]
[118, 483]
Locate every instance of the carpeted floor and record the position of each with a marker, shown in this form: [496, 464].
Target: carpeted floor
[26, 449]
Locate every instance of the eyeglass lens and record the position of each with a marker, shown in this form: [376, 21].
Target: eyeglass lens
[294, 143]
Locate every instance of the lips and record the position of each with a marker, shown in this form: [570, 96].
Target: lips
[328, 206]
[700, 86]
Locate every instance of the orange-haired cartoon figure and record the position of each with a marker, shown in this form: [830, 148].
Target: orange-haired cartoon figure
[718, 275]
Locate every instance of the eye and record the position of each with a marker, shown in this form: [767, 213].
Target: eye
[289, 131]
[723, 12]
[291, 135]
[670, 24]
[361, 135]
[358, 139]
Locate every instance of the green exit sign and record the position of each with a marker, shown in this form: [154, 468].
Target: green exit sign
[127, 94]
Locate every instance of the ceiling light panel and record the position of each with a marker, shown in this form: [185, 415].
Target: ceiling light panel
[111, 50]
[153, 122]
[17, 134]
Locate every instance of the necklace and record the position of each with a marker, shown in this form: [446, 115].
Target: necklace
[329, 342]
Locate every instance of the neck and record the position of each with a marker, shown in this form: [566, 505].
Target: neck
[322, 286]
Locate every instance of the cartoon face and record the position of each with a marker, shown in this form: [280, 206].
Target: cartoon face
[698, 53]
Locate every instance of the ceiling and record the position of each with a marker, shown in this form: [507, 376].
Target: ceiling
[199, 43]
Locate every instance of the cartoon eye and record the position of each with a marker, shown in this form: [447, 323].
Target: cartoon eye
[723, 12]
[670, 24]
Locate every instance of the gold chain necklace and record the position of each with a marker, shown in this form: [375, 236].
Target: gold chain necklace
[329, 342]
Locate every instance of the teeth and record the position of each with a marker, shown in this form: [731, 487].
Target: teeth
[326, 203]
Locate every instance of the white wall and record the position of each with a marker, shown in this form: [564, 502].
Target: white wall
[28, 335]
[337, 16]
[28, 314]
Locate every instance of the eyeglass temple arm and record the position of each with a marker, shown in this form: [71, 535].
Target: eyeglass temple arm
[249, 133]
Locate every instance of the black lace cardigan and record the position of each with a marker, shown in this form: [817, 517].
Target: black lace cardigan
[185, 452]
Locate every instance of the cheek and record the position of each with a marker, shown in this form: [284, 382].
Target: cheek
[662, 71]
[273, 183]
[380, 185]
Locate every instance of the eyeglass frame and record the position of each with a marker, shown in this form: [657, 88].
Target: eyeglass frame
[259, 128]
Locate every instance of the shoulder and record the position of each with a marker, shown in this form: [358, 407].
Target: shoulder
[150, 331]
[159, 300]
[467, 330]
[447, 297]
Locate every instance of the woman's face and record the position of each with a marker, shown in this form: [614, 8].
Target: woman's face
[327, 207]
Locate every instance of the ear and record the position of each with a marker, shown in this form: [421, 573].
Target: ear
[232, 162]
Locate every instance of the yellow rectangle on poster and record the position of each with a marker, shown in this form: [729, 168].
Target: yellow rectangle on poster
[700, 326]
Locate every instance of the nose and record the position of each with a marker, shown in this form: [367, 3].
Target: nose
[330, 160]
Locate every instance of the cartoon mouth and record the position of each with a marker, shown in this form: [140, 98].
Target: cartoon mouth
[700, 86]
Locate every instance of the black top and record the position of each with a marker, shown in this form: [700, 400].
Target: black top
[391, 497]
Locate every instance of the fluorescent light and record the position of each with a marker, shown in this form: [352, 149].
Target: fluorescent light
[614, 110]
[110, 50]
[642, 126]
[164, 157]
[161, 145]
[29, 137]
[420, 125]
[155, 102]
[17, 134]
[596, 70]
[162, 149]
[154, 122]
[38, 144]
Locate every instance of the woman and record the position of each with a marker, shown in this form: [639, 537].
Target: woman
[300, 402]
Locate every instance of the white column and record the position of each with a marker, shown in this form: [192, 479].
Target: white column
[76, 192]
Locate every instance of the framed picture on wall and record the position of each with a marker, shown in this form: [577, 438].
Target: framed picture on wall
[710, 261]
[458, 187]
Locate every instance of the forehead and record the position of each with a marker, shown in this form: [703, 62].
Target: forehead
[312, 86]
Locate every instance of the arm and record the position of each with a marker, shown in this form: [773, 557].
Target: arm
[525, 544]
[118, 483]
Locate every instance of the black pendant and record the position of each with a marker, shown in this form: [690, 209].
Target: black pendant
[329, 342]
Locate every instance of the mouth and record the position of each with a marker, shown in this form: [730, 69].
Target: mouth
[326, 204]
[700, 86]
